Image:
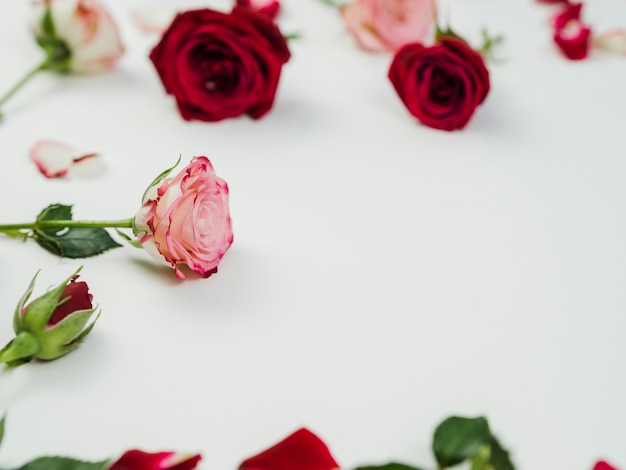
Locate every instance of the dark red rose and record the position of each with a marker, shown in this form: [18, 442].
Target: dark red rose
[570, 34]
[221, 65]
[440, 85]
[301, 450]
[78, 298]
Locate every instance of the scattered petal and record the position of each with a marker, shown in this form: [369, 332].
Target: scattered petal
[612, 41]
[570, 34]
[137, 459]
[55, 159]
[602, 465]
[301, 450]
[152, 18]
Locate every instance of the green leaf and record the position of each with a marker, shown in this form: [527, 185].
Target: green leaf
[47, 23]
[62, 463]
[457, 439]
[160, 178]
[131, 241]
[500, 458]
[79, 242]
[389, 466]
[55, 212]
[441, 33]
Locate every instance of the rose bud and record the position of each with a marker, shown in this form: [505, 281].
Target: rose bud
[301, 450]
[571, 36]
[221, 65]
[80, 34]
[387, 25]
[51, 325]
[139, 460]
[185, 220]
[267, 7]
[440, 85]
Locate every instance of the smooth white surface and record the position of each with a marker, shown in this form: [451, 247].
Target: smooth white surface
[383, 276]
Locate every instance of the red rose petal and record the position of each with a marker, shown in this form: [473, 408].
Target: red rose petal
[301, 450]
[602, 465]
[140, 460]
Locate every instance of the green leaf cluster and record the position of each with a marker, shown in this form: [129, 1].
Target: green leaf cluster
[76, 242]
[62, 463]
[457, 440]
[460, 440]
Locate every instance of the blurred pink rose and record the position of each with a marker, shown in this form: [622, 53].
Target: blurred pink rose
[85, 28]
[267, 7]
[387, 25]
[186, 220]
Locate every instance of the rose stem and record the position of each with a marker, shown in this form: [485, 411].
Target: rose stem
[23, 81]
[42, 224]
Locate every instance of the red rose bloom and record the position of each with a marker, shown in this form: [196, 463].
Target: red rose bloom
[440, 85]
[220, 65]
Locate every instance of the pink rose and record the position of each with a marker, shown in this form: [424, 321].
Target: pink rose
[84, 27]
[267, 7]
[387, 25]
[185, 219]
[139, 460]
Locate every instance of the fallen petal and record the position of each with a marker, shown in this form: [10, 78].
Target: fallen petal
[602, 465]
[55, 159]
[301, 450]
[137, 459]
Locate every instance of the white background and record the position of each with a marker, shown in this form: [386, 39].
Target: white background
[384, 275]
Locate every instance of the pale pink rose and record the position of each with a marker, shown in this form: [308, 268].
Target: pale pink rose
[387, 25]
[185, 219]
[87, 30]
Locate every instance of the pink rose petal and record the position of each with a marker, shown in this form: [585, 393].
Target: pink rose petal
[153, 19]
[55, 159]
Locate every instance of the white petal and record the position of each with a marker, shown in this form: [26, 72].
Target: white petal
[55, 159]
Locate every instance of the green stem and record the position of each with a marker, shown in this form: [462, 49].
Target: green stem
[44, 224]
[23, 81]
